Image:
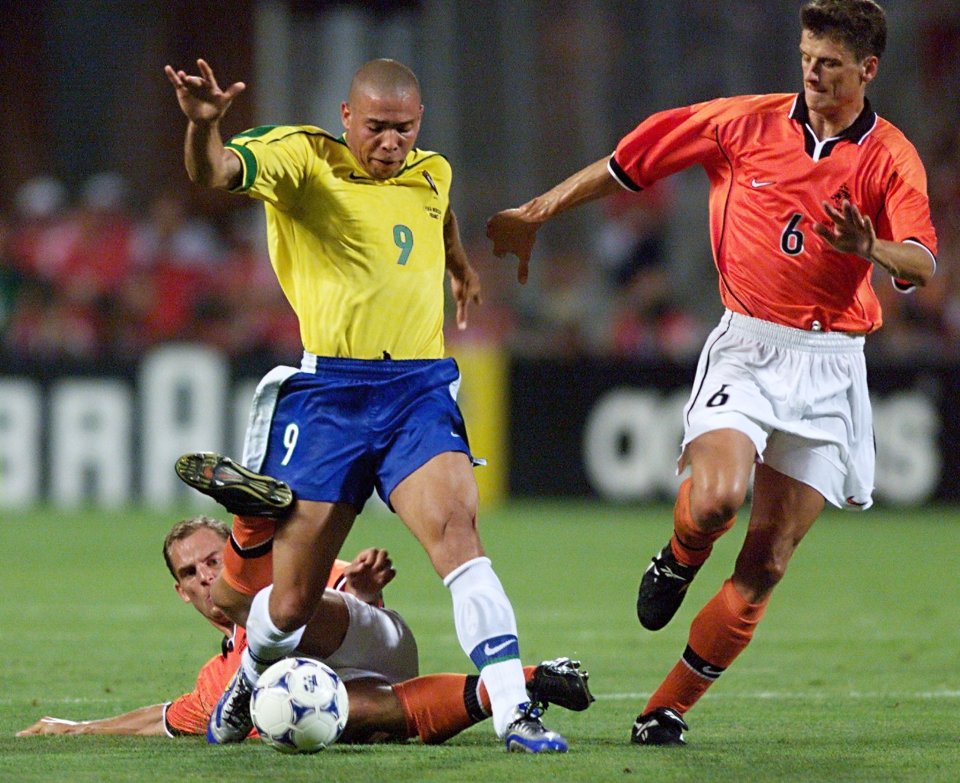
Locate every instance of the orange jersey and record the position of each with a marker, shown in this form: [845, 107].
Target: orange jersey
[190, 713]
[769, 175]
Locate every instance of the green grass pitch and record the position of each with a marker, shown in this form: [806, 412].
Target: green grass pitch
[853, 674]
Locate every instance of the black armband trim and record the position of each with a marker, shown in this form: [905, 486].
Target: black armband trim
[171, 730]
[621, 176]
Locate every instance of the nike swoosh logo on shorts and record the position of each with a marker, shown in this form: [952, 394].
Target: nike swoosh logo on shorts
[488, 650]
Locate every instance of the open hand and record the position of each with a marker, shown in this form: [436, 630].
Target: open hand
[200, 97]
[48, 725]
[369, 572]
[849, 231]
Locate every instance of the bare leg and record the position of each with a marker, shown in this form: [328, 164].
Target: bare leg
[375, 713]
[783, 510]
[304, 548]
[438, 502]
[720, 464]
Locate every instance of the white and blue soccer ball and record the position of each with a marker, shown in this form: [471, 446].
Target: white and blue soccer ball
[299, 705]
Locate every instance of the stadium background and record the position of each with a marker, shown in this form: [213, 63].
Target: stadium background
[136, 311]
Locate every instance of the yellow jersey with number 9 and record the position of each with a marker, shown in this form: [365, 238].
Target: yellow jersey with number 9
[360, 260]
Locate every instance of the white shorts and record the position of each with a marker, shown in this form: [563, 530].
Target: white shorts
[378, 644]
[800, 396]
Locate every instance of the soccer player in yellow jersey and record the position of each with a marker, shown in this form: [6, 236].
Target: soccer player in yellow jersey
[810, 193]
[360, 232]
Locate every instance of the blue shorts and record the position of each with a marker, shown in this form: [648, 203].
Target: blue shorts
[354, 425]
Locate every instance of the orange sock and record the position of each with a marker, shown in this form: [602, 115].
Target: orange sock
[719, 633]
[690, 545]
[440, 706]
[435, 706]
[248, 569]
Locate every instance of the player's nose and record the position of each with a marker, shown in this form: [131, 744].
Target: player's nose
[390, 140]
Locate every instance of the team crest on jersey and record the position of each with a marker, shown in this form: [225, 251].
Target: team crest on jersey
[843, 193]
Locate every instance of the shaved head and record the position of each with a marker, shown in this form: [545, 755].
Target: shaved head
[382, 78]
[381, 117]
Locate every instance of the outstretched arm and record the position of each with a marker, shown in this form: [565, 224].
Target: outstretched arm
[515, 230]
[850, 231]
[144, 722]
[464, 280]
[204, 103]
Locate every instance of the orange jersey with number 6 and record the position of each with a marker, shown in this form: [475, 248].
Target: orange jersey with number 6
[769, 176]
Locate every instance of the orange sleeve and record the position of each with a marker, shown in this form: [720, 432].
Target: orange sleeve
[190, 713]
[664, 143]
[906, 209]
[336, 580]
[672, 140]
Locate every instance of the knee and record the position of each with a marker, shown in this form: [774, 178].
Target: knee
[713, 507]
[290, 610]
[460, 524]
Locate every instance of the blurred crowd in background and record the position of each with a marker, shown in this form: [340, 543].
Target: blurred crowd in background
[87, 276]
[92, 275]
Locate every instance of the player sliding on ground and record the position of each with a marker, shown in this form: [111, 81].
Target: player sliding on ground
[370, 647]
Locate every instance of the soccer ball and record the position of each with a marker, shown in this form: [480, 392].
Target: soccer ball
[299, 705]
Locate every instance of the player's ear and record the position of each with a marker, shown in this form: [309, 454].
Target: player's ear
[869, 68]
[345, 115]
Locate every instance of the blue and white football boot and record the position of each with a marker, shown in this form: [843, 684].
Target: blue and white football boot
[230, 720]
[527, 734]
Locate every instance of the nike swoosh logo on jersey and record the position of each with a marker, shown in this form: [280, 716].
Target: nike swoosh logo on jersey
[756, 183]
[488, 650]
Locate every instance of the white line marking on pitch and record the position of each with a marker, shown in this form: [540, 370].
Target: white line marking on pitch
[758, 695]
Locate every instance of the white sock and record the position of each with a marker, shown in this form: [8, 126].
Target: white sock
[266, 644]
[501, 678]
[487, 631]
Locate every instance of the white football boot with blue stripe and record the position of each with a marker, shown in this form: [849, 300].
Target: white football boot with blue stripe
[527, 734]
[230, 720]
